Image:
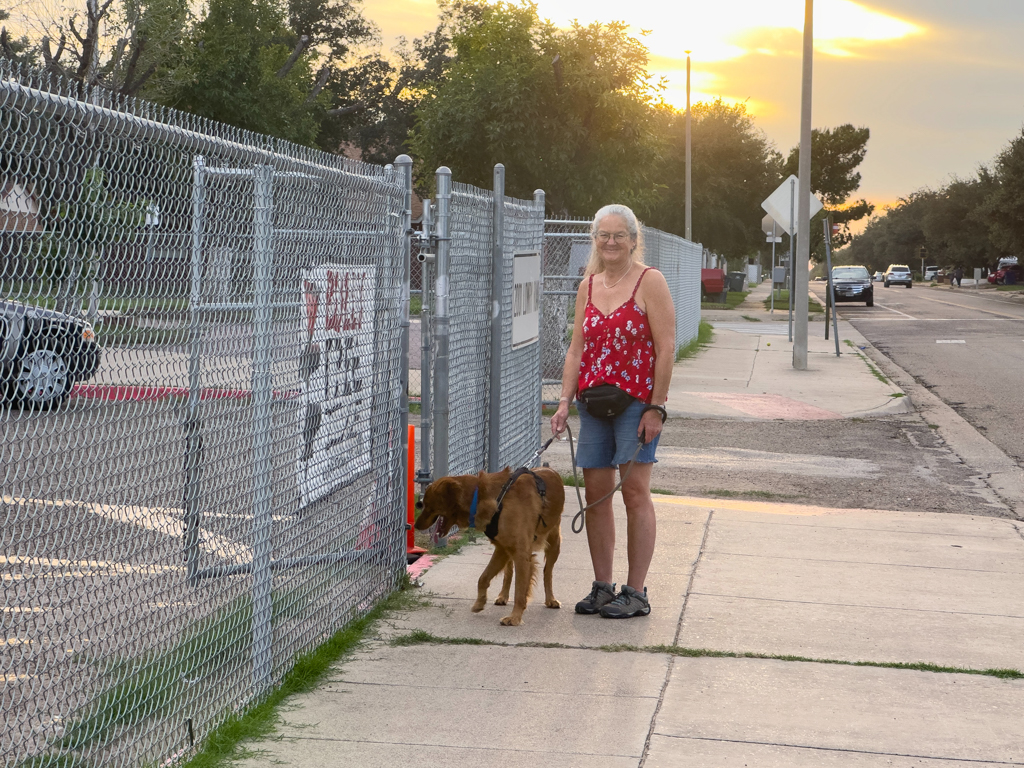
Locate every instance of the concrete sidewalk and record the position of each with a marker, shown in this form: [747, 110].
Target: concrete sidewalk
[773, 630]
[747, 373]
[728, 577]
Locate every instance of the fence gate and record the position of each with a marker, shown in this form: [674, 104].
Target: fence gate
[480, 378]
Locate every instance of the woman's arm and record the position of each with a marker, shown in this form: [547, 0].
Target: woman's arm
[661, 314]
[571, 369]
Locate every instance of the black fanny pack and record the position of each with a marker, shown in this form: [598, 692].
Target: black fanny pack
[606, 401]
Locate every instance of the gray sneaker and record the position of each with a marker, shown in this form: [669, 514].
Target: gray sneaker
[600, 595]
[627, 603]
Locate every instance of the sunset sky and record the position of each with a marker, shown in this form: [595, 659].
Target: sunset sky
[940, 83]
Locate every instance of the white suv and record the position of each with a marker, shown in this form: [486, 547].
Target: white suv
[898, 274]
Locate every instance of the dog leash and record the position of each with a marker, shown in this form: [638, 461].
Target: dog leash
[581, 515]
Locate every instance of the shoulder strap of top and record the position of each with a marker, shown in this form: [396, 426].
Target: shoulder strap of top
[590, 288]
[637, 286]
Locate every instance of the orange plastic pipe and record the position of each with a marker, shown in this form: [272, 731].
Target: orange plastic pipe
[410, 535]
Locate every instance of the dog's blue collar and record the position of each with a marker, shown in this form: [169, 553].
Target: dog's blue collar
[472, 507]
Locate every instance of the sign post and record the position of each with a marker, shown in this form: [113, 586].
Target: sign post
[781, 205]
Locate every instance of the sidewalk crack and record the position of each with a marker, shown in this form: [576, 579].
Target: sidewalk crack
[675, 641]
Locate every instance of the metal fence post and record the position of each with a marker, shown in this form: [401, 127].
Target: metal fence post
[444, 196]
[262, 469]
[193, 425]
[426, 382]
[497, 280]
[404, 165]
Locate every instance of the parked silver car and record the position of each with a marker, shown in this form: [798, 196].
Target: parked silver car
[898, 274]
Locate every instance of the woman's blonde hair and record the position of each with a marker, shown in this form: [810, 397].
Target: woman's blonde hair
[595, 264]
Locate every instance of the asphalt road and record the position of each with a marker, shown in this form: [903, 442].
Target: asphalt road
[966, 346]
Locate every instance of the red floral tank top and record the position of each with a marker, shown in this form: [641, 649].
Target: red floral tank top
[618, 348]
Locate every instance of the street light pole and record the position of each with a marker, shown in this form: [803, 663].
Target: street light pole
[689, 208]
[800, 275]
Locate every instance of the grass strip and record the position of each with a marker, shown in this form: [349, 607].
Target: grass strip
[722, 493]
[705, 332]
[224, 745]
[871, 367]
[732, 300]
[420, 637]
[782, 302]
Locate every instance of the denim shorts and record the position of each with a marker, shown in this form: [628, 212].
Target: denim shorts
[603, 443]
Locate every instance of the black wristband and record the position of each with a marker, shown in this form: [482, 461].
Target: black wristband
[658, 408]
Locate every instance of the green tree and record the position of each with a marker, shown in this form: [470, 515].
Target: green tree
[835, 155]
[250, 69]
[735, 167]
[78, 232]
[569, 111]
[16, 49]
[1003, 209]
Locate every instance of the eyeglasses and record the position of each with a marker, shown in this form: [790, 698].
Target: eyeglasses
[618, 237]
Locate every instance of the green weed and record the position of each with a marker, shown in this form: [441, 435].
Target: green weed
[705, 332]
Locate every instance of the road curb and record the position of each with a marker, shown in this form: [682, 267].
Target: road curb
[1001, 473]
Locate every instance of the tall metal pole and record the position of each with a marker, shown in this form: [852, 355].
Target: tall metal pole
[403, 164]
[193, 422]
[689, 199]
[262, 428]
[774, 226]
[497, 280]
[831, 301]
[444, 197]
[426, 301]
[804, 199]
[789, 267]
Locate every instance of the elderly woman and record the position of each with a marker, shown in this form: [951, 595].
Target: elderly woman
[624, 336]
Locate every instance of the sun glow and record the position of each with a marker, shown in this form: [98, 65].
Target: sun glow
[731, 30]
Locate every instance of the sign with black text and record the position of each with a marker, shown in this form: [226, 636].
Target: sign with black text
[525, 299]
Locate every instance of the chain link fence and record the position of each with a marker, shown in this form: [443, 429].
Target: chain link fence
[478, 416]
[202, 436]
[567, 245]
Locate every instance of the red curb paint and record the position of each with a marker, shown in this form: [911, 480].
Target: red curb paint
[418, 568]
[770, 406]
[129, 393]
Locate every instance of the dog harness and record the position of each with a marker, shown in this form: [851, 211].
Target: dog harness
[542, 488]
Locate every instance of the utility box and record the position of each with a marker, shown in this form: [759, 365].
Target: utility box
[779, 275]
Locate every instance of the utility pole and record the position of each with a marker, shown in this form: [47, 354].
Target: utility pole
[804, 198]
[689, 200]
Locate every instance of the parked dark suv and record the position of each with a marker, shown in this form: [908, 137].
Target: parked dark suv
[43, 353]
[853, 283]
[898, 274]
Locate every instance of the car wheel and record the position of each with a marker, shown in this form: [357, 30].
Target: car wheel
[871, 302]
[886, 283]
[42, 379]
[910, 285]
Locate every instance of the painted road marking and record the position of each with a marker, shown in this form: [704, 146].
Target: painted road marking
[890, 309]
[976, 309]
[950, 341]
[747, 460]
[771, 328]
[769, 406]
[166, 520]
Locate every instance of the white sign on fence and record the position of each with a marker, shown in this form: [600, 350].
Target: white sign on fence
[525, 299]
[336, 368]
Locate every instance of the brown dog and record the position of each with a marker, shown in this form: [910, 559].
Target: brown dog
[528, 523]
